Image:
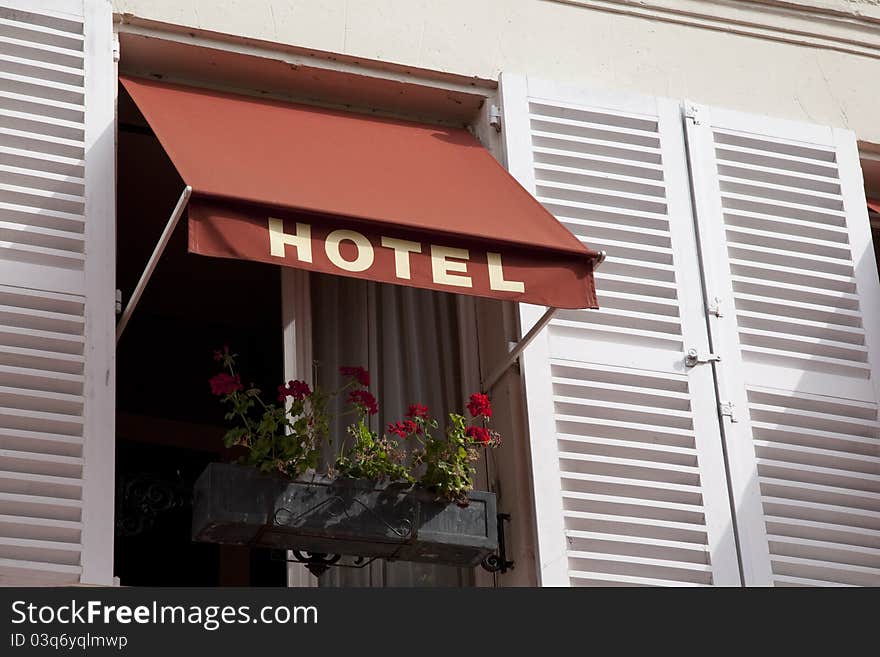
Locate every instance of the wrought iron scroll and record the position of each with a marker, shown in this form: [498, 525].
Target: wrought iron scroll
[499, 563]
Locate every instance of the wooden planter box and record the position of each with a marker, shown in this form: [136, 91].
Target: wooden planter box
[238, 505]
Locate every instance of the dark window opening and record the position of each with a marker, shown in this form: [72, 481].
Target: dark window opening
[169, 426]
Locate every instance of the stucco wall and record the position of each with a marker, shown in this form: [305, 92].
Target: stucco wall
[567, 43]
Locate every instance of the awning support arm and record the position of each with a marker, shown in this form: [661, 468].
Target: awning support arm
[154, 260]
[496, 375]
[499, 371]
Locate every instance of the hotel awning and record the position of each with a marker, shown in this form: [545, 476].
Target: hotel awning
[362, 196]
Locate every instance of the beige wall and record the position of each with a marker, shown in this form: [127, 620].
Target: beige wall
[580, 44]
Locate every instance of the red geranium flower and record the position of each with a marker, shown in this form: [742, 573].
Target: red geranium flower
[417, 410]
[365, 400]
[225, 384]
[219, 354]
[404, 429]
[299, 390]
[358, 373]
[479, 435]
[479, 405]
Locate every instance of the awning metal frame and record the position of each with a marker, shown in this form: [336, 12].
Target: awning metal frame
[153, 261]
[488, 383]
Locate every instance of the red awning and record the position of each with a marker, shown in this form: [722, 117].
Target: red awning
[362, 196]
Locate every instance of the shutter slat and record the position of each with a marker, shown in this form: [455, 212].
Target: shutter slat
[647, 139]
[845, 334]
[587, 578]
[600, 179]
[642, 545]
[822, 216]
[598, 163]
[771, 223]
[809, 510]
[43, 52]
[805, 346]
[793, 275]
[22, 572]
[660, 510]
[587, 210]
[37, 506]
[599, 196]
[797, 243]
[793, 149]
[637, 526]
[620, 428]
[587, 145]
[27, 483]
[777, 451]
[786, 580]
[65, 531]
[777, 176]
[822, 569]
[838, 533]
[784, 193]
[730, 153]
[38, 34]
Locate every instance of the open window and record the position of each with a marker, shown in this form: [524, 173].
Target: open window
[335, 239]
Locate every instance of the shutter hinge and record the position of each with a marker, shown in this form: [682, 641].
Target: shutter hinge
[728, 409]
[694, 112]
[118, 301]
[115, 48]
[715, 307]
[495, 117]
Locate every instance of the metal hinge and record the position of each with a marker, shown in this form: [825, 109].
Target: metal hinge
[118, 301]
[693, 358]
[694, 113]
[115, 48]
[715, 307]
[728, 409]
[495, 117]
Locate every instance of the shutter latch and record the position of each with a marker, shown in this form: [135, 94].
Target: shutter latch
[715, 307]
[693, 358]
[728, 409]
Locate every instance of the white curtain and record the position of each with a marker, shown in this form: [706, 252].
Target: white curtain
[408, 339]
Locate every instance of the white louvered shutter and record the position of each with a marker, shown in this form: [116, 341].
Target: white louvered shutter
[56, 210]
[788, 251]
[627, 463]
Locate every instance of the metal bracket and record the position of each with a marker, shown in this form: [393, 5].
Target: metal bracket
[728, 409]
[692, 358]
[116, 52]
[694, 113]
[318, 563]
[499, 563]
[493, 378]
[495, 117]
[715, 307]
[118, 301]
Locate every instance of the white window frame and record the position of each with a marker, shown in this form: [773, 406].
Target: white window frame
[99, 469]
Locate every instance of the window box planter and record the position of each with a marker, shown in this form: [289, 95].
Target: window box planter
[239, 505]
